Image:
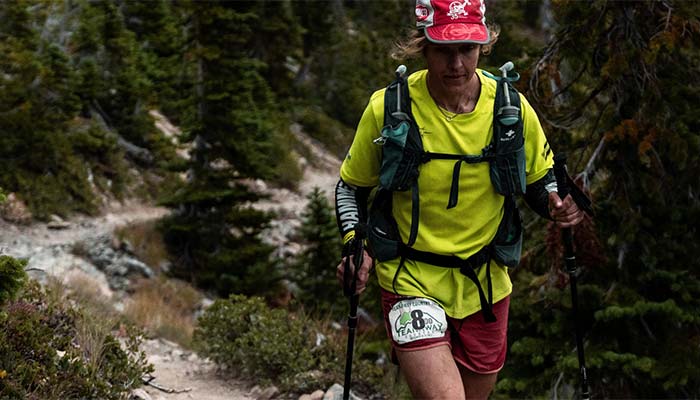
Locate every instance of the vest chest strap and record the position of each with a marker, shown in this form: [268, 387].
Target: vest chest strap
[467, 267]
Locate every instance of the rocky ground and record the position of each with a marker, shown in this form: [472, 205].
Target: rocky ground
[50, 249]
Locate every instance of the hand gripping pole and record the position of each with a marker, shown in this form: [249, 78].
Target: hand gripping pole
[570, 262]
[350, 287]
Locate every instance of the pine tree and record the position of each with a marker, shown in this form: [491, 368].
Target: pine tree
[232, 124]
[38, 103]
[314, 271]
[613, 88]
[113, 88]
[156, 26]
[339, 37]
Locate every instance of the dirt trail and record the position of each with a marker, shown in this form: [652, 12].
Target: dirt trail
[49, 250]
[15, 237]
[181, 374]
[177, 370]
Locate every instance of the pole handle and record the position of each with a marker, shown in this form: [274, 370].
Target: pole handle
[356, 253]
[561, 175]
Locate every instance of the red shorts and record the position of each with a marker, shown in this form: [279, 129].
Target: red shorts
[478, 345]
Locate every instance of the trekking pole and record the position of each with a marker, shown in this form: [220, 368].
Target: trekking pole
[570, 262]
[350, 287]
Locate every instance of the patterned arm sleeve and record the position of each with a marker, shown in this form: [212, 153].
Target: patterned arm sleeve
[350, 208]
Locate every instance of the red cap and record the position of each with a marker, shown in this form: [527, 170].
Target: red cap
[458, 21]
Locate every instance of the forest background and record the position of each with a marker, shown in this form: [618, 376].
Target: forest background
[614, 84]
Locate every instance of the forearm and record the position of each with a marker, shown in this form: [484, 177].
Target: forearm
[350, 207]
[537, 194]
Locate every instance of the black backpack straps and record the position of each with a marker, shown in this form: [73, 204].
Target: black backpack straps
[405, 162]
[415, 214]
[467, 267]
[486, 303]
[467, 158]
[507, 169]
[454, 188]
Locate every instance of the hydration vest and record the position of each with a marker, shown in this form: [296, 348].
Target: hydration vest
[402, 157]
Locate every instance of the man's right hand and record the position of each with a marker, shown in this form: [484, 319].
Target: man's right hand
[362, 275]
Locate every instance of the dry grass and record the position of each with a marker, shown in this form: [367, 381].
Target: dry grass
[97, 319]
[147, 242]
[91, 333]
[164, 308]
[89, 293]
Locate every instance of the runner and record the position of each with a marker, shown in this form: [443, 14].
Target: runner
[446, 347]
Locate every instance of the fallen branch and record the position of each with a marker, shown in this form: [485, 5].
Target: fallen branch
[149, 381]
[137, 153]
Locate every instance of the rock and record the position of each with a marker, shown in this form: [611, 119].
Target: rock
[317, 395]
[135, 266]
[56, 222]
[15, 210]
[114, 258]
[139, 394]
[335, 392]
[264, 394]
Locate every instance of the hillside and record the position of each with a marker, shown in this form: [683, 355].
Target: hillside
[179, 373]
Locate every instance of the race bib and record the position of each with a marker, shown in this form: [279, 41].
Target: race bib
[416, 319]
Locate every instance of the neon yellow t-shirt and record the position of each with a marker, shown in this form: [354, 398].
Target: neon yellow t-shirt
[464, 229]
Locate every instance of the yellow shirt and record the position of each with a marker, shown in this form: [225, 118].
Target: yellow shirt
[464, 229]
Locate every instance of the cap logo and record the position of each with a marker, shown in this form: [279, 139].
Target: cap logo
[421, 13]
[457, 9]
[452, 21]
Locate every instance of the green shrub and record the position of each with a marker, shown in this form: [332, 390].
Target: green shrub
[313, 270]
[244, 332]
[291, 350]
[54, 350]
[12, 277]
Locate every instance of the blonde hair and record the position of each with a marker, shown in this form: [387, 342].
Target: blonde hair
[413, 46]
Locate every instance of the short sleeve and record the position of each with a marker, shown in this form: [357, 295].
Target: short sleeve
[361, 164]
[538, 154]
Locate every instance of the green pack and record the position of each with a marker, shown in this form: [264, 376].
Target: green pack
[403, 155]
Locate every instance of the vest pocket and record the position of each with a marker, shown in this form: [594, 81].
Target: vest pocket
[400, 158]
[507, 245]
[392, 154]
[383, 235]
[383, 248]
[507, 172]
